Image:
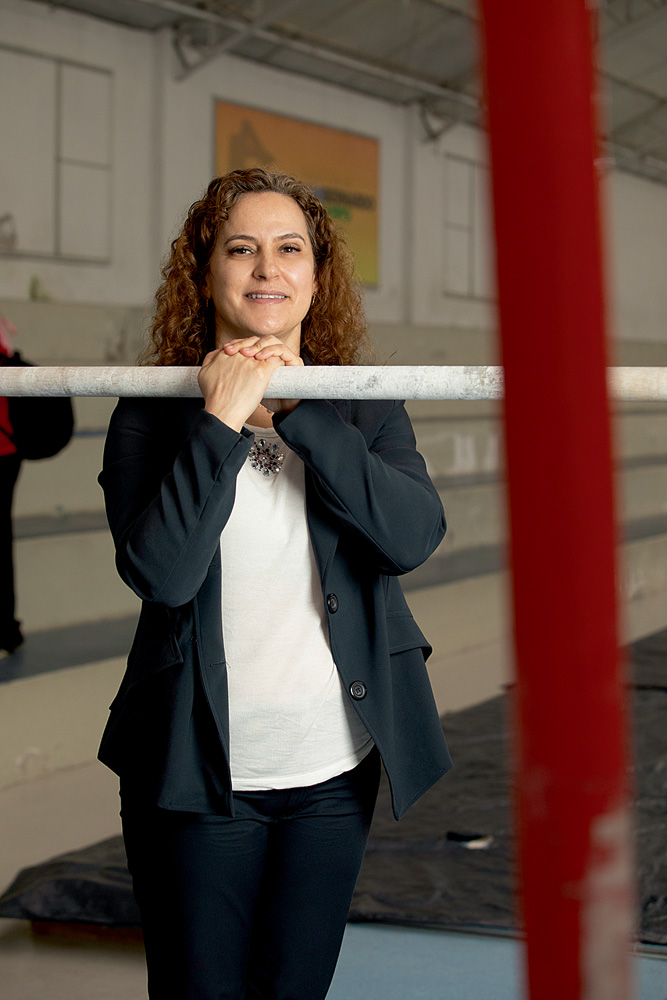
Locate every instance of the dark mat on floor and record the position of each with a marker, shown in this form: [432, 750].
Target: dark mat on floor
[448, 864]
[89, 886]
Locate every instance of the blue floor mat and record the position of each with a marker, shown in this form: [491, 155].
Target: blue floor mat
[394, 963]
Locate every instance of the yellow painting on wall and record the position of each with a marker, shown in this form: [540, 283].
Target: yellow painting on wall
[340, 167]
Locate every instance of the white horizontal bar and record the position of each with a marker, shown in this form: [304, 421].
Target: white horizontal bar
[316, 382]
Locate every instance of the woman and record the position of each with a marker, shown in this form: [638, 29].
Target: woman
[249, 771]
[10, 465]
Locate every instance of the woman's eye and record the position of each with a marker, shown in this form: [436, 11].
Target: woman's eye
[240, 250]
[291, 248]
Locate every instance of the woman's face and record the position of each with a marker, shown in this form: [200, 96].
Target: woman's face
[261, 275]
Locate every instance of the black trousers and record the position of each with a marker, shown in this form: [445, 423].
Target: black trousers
[10, 634]
[254, 907]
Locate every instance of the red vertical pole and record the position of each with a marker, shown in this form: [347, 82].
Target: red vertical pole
[571, 798]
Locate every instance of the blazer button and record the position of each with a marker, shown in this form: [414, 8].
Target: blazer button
[358, 690]
[332, 603]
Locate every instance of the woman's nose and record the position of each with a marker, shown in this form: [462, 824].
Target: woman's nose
[265, 266]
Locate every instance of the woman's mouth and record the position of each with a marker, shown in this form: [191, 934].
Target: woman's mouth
[265, 295]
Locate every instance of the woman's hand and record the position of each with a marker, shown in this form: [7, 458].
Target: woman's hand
[233, 383]
[264, 349]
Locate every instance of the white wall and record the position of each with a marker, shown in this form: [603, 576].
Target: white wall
[80, 45]
[435, 247]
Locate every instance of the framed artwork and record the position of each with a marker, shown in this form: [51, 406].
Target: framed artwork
[341, 168]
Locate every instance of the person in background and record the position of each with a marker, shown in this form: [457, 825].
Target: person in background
[10, 464]
[276, 662]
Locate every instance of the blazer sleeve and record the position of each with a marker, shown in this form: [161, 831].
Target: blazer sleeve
[167, 502]
[373, 482]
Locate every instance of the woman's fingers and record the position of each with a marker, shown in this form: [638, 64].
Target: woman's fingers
[245, 344]
[275, 348]
[287, 356]
[234, 377]
[263, 348]
[233, 385]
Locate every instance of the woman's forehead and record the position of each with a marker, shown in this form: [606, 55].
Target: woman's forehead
[267, 209]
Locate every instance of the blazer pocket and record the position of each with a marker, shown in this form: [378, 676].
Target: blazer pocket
[404, 633]
[147, 658]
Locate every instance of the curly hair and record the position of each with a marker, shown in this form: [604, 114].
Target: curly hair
[183, 327]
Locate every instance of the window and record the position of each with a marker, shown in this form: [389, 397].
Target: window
[467, 230]
[55, 158]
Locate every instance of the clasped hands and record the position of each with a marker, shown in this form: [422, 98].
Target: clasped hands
[233, 378]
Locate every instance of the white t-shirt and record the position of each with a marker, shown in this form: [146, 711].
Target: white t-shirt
[291, 723]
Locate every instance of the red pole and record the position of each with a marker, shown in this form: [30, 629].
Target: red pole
[571, 766]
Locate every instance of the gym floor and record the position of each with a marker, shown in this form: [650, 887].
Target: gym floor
[77, 806]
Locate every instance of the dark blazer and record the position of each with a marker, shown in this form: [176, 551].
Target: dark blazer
[169, 481]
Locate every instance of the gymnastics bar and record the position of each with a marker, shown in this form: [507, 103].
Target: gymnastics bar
[576, 872]
[333, 382]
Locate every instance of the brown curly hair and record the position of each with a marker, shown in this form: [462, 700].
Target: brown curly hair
[183, 327]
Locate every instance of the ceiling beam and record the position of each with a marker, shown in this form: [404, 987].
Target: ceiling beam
[378, 72]
[628, 22]
[208, 52]
[631, 161]
[194, 13]
[469, 105]
[463, 106]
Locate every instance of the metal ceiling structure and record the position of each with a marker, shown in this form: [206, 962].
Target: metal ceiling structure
[413, 52]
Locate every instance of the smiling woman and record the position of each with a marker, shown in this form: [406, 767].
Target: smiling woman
[333, 332]
[275, 661]
[261, 276]
[260, 282]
